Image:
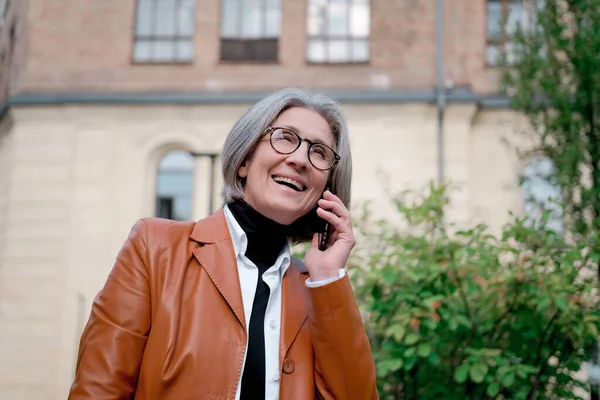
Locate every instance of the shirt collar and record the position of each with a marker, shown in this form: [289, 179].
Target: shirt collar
[240, 242]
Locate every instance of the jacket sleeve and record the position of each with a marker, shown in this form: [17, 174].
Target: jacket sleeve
[113, 341]
[344, 367]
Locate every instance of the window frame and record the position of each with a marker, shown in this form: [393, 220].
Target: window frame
[532, 176]
[348, 38]
[153, 37]
[263, 40]
[503, 42]
[171, 171]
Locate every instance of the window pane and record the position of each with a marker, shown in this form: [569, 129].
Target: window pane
[251, 18]
[164, 50]
[493, 54]
[183, 208]
[317, 13]
[272, 19]
[494, 20]
[186, 17]
[360, 50]
[174, 186]
[144, 18]
[338, 50]
[338, 17]
[511, 53]
[229, 20]
[185, 50]
[316, 51]
[359, 20]
[516, 16]
[165, 17]
[141, 50]
[540, 192]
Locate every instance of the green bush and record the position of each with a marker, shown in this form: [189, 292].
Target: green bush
[466, 315]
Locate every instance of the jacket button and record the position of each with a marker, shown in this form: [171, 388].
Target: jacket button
[288, 366]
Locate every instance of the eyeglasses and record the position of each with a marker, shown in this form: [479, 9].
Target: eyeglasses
[286, 141]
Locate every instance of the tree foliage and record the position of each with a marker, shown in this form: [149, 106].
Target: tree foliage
[472, 316]
[552, 75]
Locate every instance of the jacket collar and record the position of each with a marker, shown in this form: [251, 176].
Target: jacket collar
[211, 229]
[217, 256]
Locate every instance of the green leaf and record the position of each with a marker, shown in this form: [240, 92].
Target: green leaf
[411, 339]
[544, 303]
[410, 352]
[424, 350]
[493, 389]
[477, 372]
[561, 303]
[434, 358]
[592, 329]
[461, 373]
[508, 379]
[524, 370]
[464, 321]
[502, 371]
[397, 331]
[491, 352]
[388, 365]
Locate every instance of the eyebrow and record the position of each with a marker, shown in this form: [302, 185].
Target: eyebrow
[293, 128]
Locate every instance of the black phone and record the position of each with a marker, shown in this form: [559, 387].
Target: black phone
[325, 233]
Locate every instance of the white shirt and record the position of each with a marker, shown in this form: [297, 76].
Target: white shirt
[248, 274]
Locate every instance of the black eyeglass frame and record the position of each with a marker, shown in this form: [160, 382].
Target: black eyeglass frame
[271, 129]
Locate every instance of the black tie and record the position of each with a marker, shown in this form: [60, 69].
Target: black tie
[266, 238]
[253, 379]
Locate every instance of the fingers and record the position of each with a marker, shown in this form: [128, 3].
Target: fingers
[328, 195]
[334, 204]
[329, 216]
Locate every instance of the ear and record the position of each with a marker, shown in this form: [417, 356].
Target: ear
[243, 170]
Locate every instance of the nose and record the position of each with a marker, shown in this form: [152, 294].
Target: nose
[300, 156]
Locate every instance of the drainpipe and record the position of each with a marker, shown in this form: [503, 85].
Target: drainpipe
[440, 90]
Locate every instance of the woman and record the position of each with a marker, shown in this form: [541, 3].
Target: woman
[218, 309]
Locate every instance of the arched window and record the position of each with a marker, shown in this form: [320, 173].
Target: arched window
[541, 192]
[174, 186]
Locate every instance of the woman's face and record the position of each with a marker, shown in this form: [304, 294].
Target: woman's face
[265, 170]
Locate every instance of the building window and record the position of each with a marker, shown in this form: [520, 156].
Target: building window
[503, 19]
[164, 31]
[250, 30]
[338, 31]
[541, 193]
[174, 186]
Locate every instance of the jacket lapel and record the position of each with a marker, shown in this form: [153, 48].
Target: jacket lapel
[217, 257]
[294, 306]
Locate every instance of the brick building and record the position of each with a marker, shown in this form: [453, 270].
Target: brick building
[113, 110]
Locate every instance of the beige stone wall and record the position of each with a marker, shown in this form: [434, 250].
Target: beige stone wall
[5, 164]
[79, 176]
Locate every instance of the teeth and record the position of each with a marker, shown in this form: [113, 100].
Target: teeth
[297, 184]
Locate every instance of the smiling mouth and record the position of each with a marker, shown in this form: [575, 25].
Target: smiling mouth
[297, 186]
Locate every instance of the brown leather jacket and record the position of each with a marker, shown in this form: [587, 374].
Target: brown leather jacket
[169, 324]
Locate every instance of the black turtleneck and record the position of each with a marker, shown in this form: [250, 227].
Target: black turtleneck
[266, 238]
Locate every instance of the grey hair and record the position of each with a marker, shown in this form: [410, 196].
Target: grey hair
[246, 133]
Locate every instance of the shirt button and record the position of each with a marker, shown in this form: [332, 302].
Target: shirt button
[272, 324]
[275, 377]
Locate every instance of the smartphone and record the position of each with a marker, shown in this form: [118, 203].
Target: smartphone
[325, 233]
